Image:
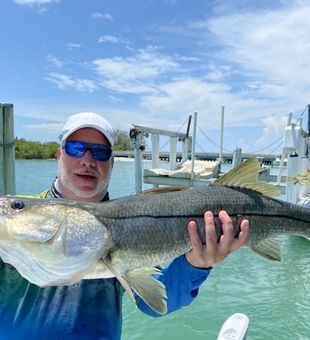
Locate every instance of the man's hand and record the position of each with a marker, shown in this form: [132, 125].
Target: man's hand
[206, 255]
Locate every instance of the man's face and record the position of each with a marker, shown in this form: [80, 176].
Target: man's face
[84, 178]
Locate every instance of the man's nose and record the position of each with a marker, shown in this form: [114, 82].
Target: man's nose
[88, 159]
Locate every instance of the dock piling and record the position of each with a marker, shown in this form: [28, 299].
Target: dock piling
[7, 151]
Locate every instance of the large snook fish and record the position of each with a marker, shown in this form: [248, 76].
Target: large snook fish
[58, 242]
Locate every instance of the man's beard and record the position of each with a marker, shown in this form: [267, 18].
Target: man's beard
[65, 181]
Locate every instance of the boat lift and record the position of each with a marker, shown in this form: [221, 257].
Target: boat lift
[189, 173]
[296, 149]
[295, 185]
[138, 134]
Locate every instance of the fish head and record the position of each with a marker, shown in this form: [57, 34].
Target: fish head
[62, 226]
[51, 241]
[28, 219]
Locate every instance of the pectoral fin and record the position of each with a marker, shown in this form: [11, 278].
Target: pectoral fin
[140, 280]
[152, 291]
[269, 248]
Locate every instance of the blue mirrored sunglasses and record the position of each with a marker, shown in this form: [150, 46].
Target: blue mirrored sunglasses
[78, 149]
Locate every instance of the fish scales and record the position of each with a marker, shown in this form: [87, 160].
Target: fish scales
[156, 223]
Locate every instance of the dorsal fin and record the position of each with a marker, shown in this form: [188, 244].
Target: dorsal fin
[245, 176]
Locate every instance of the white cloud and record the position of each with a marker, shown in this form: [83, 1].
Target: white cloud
[54, 61]
[270, 46]
[55, 114]
[135, 74]
[273, 128]
[194, 94]
[259, 71]
[104, 16]
[73, 45]
[64, 81]
[49, 127]
[262, 55]
[112, 39]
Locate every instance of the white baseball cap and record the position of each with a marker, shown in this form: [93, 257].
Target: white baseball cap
[87, 120]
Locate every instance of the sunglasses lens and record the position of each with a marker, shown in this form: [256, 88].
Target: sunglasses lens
[101, 152]
[75, 149]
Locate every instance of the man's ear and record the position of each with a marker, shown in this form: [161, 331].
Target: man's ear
[58, 153]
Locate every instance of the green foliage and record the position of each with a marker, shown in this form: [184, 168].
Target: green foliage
[122, 141]
[36, 150]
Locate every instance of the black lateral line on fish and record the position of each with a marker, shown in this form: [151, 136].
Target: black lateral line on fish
[201, 216]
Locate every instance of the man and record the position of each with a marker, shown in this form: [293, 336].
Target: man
[91, 309]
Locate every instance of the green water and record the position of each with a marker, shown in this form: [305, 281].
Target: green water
[275, 296]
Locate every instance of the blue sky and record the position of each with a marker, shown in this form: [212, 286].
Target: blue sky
[154, 62]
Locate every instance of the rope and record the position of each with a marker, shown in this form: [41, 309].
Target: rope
[304, 111]
[258, 151]
[268, 146]
[277, 147]
[299, 178]
[161, 147]
[211, 141]
[201, 149]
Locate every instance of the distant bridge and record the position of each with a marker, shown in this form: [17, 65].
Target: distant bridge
[209, 156]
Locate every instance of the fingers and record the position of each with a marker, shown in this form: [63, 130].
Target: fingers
[206, 255]
[194, 236]
[196, 255]
[228, 243]
[228, 240]
[243, 235]
[211, 238]
[227, 226]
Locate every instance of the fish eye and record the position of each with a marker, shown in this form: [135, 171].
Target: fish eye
[17, 205]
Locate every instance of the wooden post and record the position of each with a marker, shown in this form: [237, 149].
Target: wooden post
[8, 154]
[138, 144]
[292, 164]
[284, 153]
[173, 153]
[222, 135]
[185, 150]
[1, 151]
[155, 150]
[185, 141]
[237, 157]
[138, 169]
[193, 146]
[308, 120]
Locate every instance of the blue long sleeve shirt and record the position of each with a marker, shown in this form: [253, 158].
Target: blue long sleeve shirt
[89, 309]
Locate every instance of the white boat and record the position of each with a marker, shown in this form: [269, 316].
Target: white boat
[234, 328]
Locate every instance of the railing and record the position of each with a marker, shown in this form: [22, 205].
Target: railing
[138, 134]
